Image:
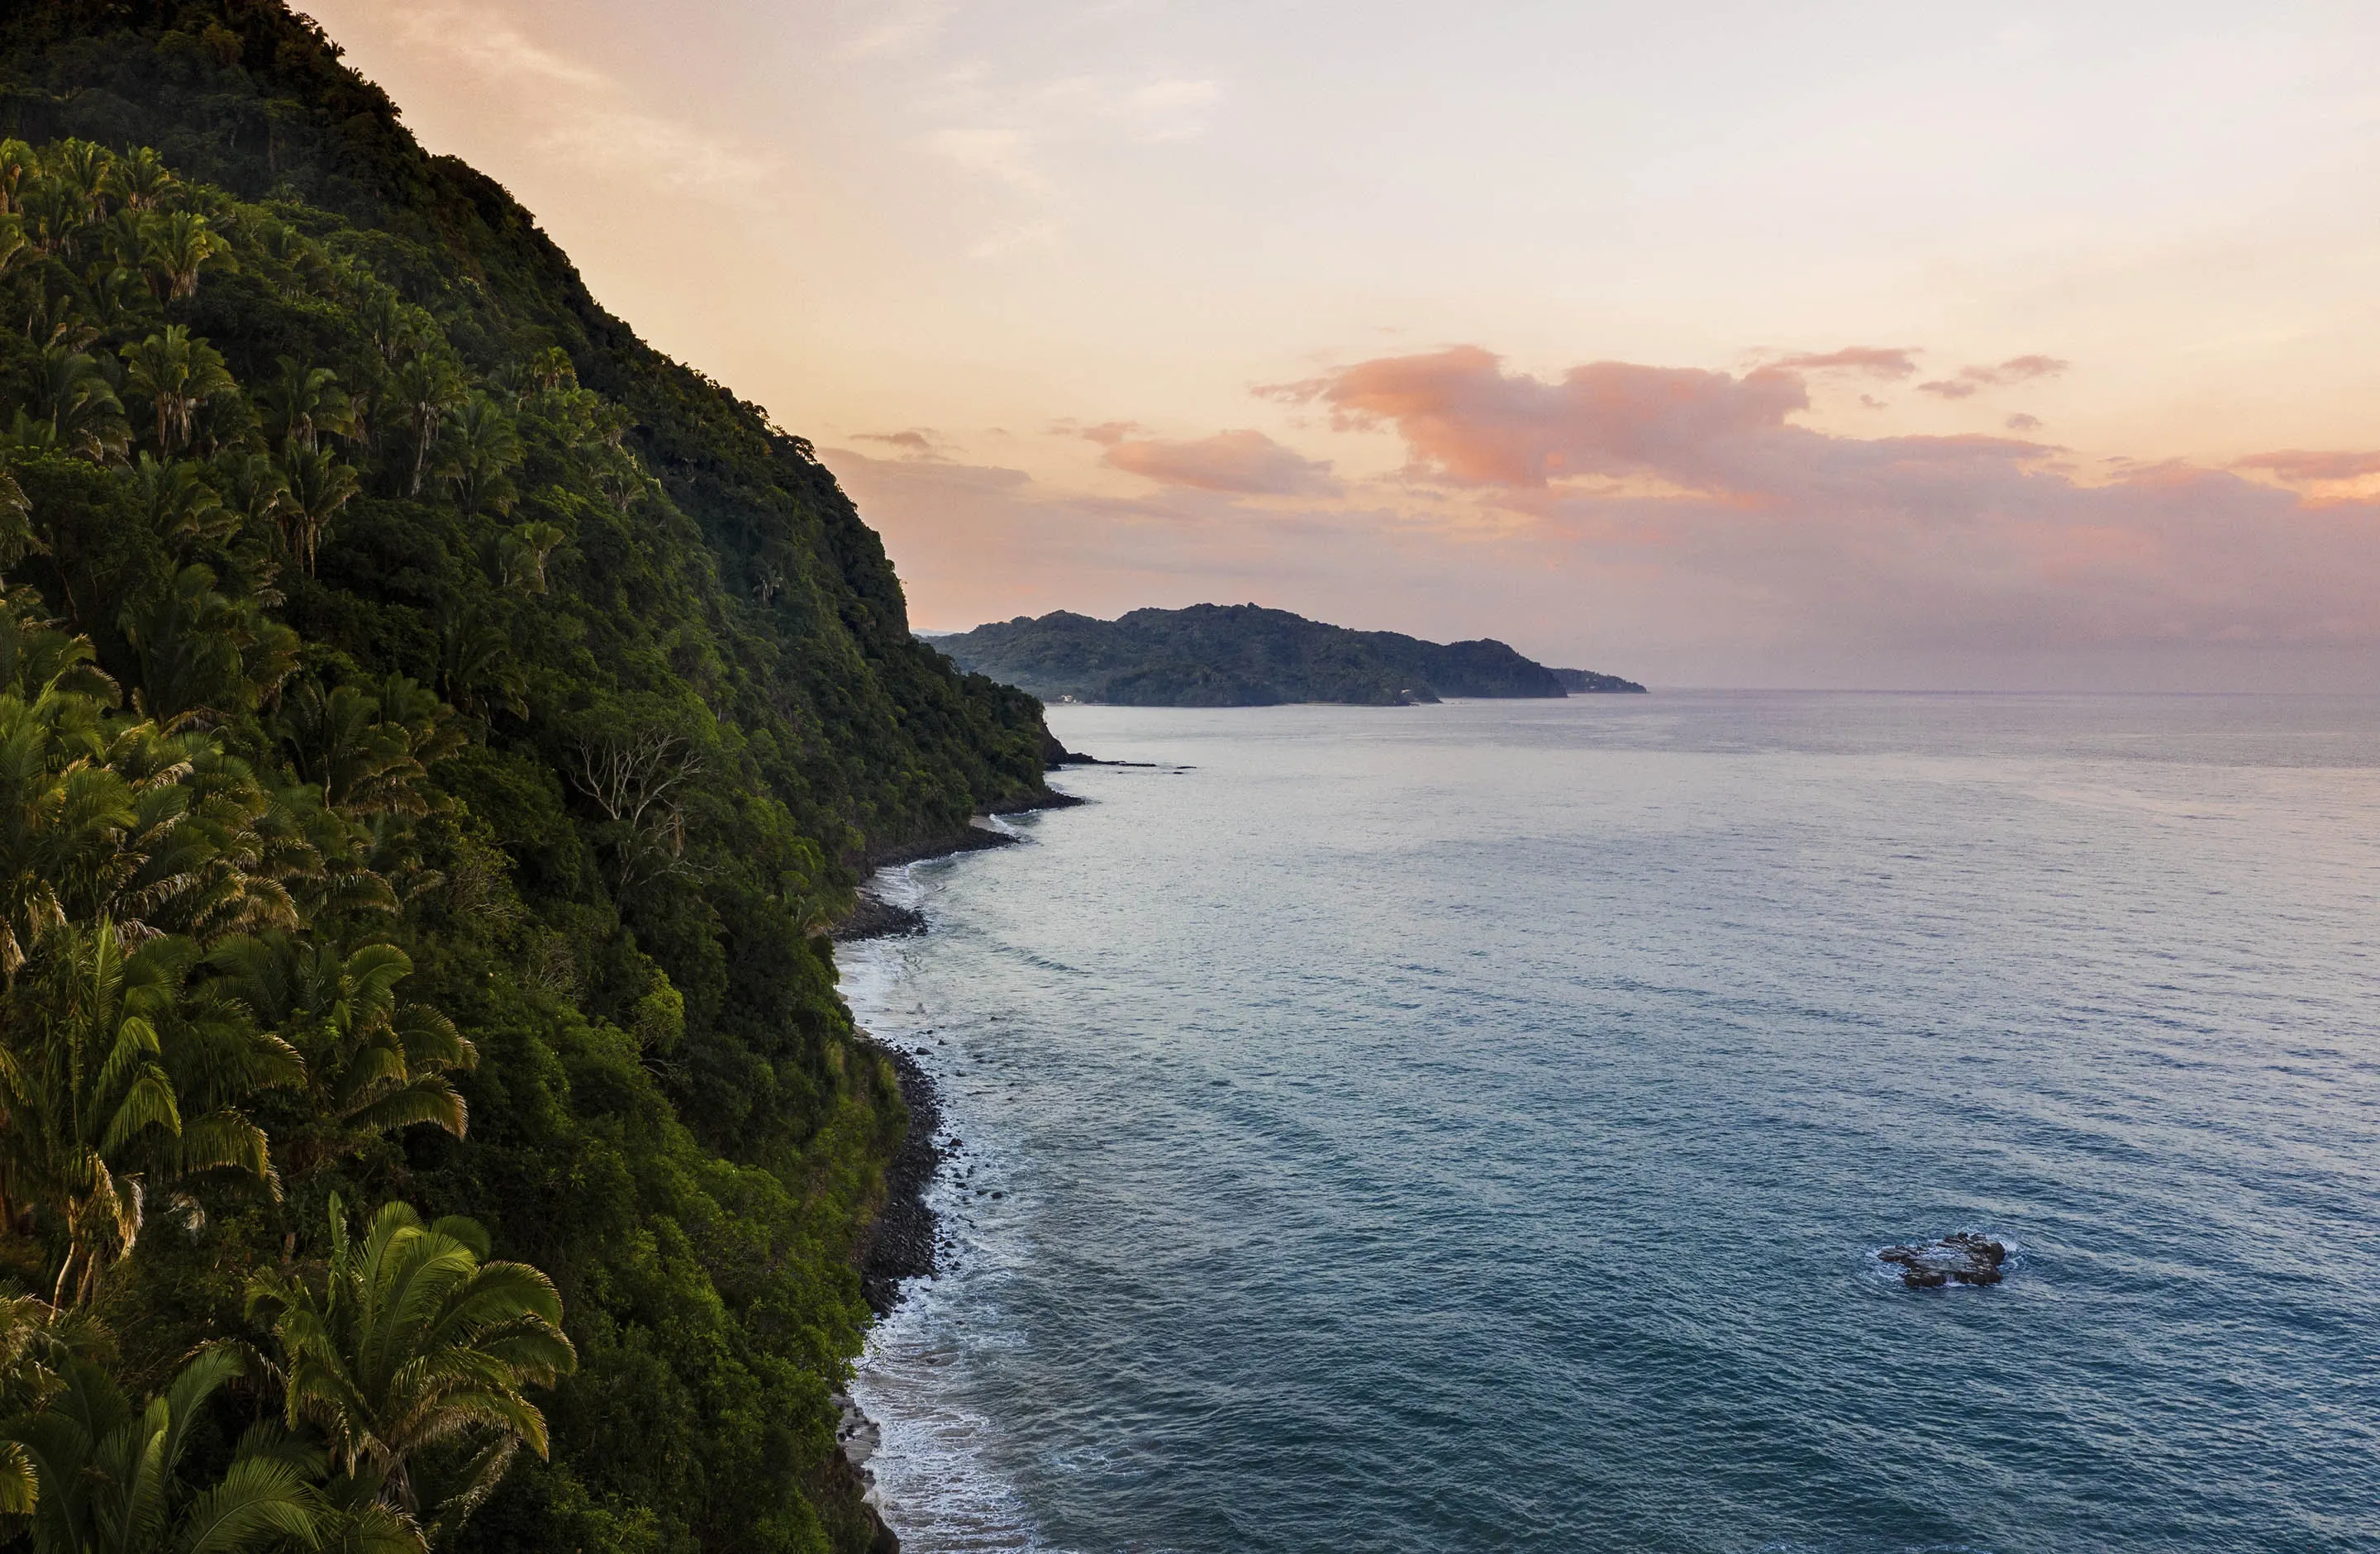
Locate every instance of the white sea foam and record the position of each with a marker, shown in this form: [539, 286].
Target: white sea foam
[932, 1471]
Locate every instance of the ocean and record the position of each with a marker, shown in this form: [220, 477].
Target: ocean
[1473, 1127]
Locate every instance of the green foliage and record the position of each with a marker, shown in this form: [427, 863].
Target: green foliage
[1240, 655]
[435, 731]
[410, 1343]
[112, 1480]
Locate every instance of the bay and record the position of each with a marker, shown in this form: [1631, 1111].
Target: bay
[1471, 1126]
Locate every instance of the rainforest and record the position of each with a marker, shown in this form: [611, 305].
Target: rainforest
[437, 733]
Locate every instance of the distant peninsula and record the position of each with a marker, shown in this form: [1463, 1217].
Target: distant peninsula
[1243, 655]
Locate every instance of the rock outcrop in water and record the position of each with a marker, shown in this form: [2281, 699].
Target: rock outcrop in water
[1964, 1259]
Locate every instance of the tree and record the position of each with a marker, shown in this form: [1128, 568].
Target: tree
[34, 1345]
[372, 1066]
[638, 782]
[478, 449]
[92, 1123]
[520, 555]
[424, 389]
[319, 486]
[304, 402]
[205, 655]
[19, 169]
[176, 372]
[179, 505]
[139, 178]
[411, 1341]
[178, 247]
[339, 740]
[475, 665]
[110, 1480]
[72, 394]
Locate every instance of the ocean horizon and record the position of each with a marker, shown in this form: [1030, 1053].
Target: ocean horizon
[1475, 1126]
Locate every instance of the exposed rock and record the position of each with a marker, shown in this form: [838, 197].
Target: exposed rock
[901, 1240]
[1963, 1258]
[873, 918]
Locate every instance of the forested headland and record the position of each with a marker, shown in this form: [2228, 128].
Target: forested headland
[1244, 655]
[436, 734]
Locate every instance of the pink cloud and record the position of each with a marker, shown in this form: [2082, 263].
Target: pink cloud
[1684, 527]
[1874, 361]
[1465, 419]
[1244, 463]
[2015, 370]
[916, 443]
[1980, 540]
[2298, 465]
[2023, 422]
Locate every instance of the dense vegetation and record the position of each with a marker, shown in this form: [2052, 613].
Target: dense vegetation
[435, 732]
[1240, 655]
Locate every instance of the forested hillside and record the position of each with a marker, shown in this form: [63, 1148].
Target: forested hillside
[1244, 655]
[435, 733]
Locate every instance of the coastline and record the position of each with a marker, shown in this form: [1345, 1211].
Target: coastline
[899, 1243]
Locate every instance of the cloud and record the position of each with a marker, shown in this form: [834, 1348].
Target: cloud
[2023, 422]
[898, 33]
[572, 110]
[980, 543]
[488, 43]
[1022, 138]
[1000, 154]
[1874, 361]
[1973, 380]
[1245, 463]
[2299, 466]
[1981, 542]
[1463, 418]
[915, 443]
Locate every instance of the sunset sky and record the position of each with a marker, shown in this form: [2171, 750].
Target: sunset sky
[2006, 346]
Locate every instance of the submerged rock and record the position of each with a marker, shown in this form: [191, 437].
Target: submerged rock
[1963, 1258]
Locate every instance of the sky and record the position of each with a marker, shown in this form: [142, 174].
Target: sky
[2000, 345]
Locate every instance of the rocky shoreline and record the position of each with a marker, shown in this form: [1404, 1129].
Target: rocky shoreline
[899, 1243]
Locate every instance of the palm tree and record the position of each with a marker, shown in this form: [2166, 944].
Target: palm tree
[303, 402]
[521, 552]
[339, 740]
[205, 655]
[176, 371]
[36, 1340]
[319, 486]
[253, 486]
[110, 1480]
[179, 246]
[478, 449]
[475, 665]
[138, 178]
[162, 832]
[373, 1065]
[85, 417]
[413, 1340]
[63, 812]
[92, 1122]
[17, 536]
[19, 168]
[179, 505]
[13, 244]
[84, 167]
[424, 389]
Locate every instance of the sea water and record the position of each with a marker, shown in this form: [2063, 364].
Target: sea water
[1473, 1127]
